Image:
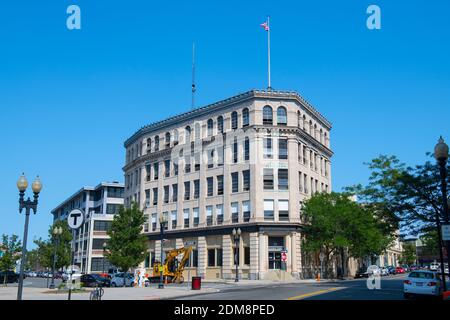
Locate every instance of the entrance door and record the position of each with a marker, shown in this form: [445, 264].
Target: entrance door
[274, 260]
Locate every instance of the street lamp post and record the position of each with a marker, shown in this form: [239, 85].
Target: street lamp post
[163, 220]
[441, 155]
[104, 253]
[237, 238]
[57, 232]
[28, 205]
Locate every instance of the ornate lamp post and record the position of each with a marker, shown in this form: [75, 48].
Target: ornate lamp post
[104, 253]
[57, 232]
[237, 238]
[28, 205]
[163, 220]
[441, 155]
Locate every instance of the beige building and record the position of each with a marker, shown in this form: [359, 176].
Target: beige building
[245, 162]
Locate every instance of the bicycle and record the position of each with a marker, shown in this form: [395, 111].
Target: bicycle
[97, 294]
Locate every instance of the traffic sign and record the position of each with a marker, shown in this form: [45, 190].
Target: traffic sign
[75, 219]
[283, 257]
[446, 232]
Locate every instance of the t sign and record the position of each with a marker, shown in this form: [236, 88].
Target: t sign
[75, 219]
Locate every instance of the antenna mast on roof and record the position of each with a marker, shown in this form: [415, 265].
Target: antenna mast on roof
[194, 88]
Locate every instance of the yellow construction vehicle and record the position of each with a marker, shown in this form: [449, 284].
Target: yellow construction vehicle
[172, 269]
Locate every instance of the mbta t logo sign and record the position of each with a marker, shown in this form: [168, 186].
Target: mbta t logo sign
[75, 219]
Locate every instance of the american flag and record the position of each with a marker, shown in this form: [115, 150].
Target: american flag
[265, 25]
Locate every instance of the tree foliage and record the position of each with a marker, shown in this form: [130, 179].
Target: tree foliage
[409, 254]
[11, 248]
[127, 246]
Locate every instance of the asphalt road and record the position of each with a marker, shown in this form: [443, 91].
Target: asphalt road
[36, 282]
[391, 289]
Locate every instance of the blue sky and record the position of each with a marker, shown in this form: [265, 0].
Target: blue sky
[69, 99]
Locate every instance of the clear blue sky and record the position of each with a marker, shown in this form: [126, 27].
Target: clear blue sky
[69, 99]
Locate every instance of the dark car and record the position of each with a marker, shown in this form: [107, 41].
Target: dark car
[11, 277]
[361, 273]
[94, 280]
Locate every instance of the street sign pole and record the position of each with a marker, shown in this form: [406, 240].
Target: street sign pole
[75, 220]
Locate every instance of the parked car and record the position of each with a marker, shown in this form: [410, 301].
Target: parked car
[399, 270]
[384, 271]
[406, 267]
[11, 277]
[94, 280]
[361, 273]
[118, 280]
[434, 266]
[391, 269]
[422, 282]
[75, 276]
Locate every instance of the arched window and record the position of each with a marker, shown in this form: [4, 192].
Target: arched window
[187, 134]
[157, 143]
[234, 120]
[220, 124]
[281, 115]
[267, 115]
[210, 127]
[245, 117]
[149, 145]
[167, 139]
[176, 137]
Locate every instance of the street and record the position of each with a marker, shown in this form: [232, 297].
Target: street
[36, 282]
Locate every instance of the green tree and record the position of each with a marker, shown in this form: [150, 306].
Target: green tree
[11, 248]
[409, 254]
[339, 226]
[127, 246]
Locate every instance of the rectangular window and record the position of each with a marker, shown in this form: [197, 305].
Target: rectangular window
[187, 165]
[247, 149]
[166, 226]
[166, 194]
[100, 225]
[148, 170]
[147, 198]
[186, 218]
[155, 171]
[220, 185]
[154, 222]
[300, 181]
[246, 180]
[235, 182]
[247, 256]
[174, 219]
[268, 152]
[283, 179]
[209, 215]
[197, 162]
[211, 257]
[175, 169]
[235, 151]
[246, 210]
[268, 179]
[210, 159]
[282, 149]
[175, 192]
[155, 196]
[219, 257]
[112, 208]
[167, 168]
[196, 189]
[196, 216]
[187, 190]
[220, 156]
[234, 212]
[283, 210]
[219, 214]
[210, 183]
[268, 210]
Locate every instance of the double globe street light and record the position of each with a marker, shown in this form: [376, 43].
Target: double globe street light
[28, 205]
[57, 232]
[237, 238]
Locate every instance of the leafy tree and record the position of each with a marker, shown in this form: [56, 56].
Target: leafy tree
[11, 248]
[339, 226]
[127, 246]
[409, 254]
[430, 243]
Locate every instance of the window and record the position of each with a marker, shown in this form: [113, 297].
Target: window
[300, 181]
[220, 124]
[220, 155]
[209, 215]
[235, 151]
[211, 257]
[246, 179]
[247, 256]
[234, 120]
[268, 179]
[157, 143]
[113, 192]
[281, 115]
[283, 210]
[196, 189]
[267, 115]
[220, 185]
[283, 179]
[175, 192]
[219, 257]
[268, 152]
[246, 210]
[174, 219]
[245, 117]
[187, 165]
[149, 145]
[210, 183]
[234, 212]
[186, 218]
[246, 149]
[176, 137]
[155, 171]
[154, 222]
[167, 140]
[175, 169]
[210, 127]
[187, 190]
[282, 149]
[148, 169]
[196, 216]
[167, 168]
[211, 159]
[100, 225]
[155, 196]
[166, 194]
[187, 134]
[112, 208]
[147, 198]
[235, 182]
[197, 162]
[219, 213]
[268, 210]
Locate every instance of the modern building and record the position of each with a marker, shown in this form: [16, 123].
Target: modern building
[246, 163]
[99, 204]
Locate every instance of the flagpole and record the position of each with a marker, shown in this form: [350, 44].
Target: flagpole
[268, 54]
